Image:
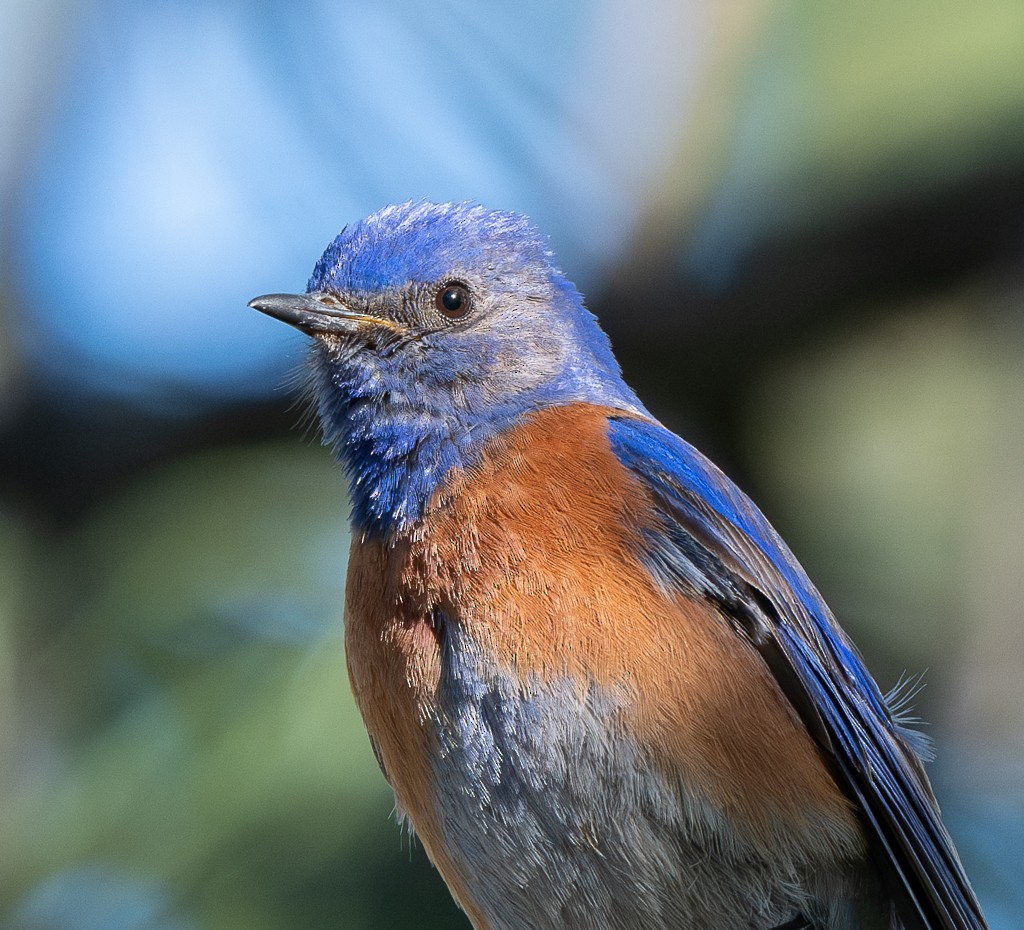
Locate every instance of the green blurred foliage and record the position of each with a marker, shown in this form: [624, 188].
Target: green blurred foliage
[191, 718]
[819, 111]
[887, 453]
[916, 90]
[892, 459]
[13, 578]
[886, 429]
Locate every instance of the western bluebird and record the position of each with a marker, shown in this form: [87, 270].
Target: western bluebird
[604, 691]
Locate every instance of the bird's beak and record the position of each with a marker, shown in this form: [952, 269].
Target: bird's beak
[312, 314]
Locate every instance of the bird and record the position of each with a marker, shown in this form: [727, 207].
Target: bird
[602, 688]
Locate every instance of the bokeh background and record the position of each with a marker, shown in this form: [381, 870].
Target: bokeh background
[802, 224]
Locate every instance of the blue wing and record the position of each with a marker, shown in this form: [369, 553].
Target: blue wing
[714, 543]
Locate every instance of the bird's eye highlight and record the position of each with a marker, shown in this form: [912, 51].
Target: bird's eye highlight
[453, 300]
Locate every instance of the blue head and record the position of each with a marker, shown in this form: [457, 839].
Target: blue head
[435, 327]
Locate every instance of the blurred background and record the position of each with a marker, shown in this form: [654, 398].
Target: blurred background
[801, 222]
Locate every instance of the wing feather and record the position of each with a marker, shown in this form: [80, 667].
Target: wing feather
[713, 542]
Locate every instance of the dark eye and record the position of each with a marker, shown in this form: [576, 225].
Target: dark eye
[452, 300]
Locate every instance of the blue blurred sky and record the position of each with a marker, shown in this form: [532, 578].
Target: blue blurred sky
[164, 161]
[187, 156]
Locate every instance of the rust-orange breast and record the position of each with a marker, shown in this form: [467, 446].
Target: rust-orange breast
[533, 554]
